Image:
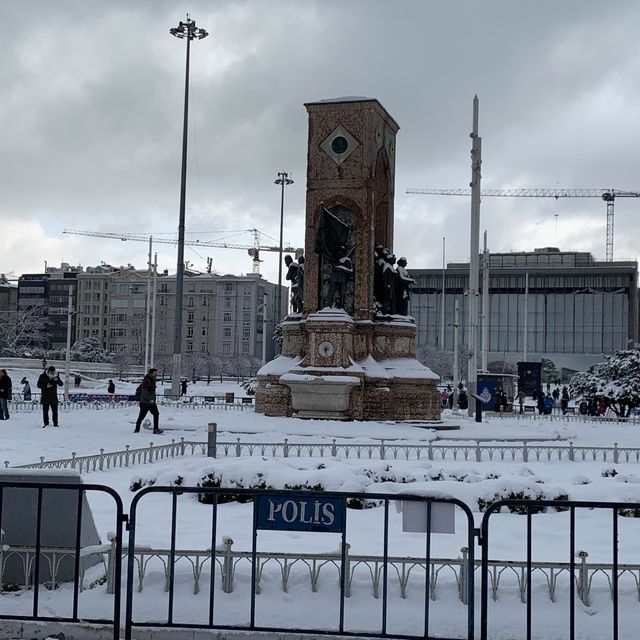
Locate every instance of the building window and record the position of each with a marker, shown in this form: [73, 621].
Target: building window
[190, 317]
[226, 347]
[226, 332]
[164, 288]
[246, 317]
[226, 317]
[204, 331]
[189, 332]
[245, 348]
[189, 346]
[227, 303]
[228, 287]
[203, 347]
[191, 303]
[204, 301]
[246, 333]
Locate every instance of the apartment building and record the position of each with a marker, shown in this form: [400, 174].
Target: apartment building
[222, 316]
[46, 295]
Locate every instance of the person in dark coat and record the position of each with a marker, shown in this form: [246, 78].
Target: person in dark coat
[111, 390]
[540, 402]
[48, 383]
[5, 394]
[183, 387]
[148, 401]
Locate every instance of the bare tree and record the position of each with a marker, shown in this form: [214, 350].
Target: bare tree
[23, 329]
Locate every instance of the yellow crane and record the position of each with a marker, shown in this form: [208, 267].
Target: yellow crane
[253, 250]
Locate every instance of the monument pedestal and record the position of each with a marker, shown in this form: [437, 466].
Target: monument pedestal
[333, 367]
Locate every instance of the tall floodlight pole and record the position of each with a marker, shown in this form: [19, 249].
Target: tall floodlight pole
[485, 304]
[67, 356]
[188, 31]
[474, 256]
[283, 180]
[456, 375]
[442, 310]
[154, 286]
[148, 307]
[526, 317]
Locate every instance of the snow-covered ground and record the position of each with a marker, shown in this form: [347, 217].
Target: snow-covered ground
[86, 431]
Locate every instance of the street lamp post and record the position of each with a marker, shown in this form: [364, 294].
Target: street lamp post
[283, 180]
[186, 30]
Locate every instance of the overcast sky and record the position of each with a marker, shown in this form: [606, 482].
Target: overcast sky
[92, 98]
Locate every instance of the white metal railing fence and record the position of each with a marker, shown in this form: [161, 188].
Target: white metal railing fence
[475, 451]
[312, 565]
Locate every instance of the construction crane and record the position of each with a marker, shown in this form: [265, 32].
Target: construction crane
[253, 250]
[608, 195]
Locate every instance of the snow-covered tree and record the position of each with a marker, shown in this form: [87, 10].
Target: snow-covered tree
[616, 381]
[90, 350]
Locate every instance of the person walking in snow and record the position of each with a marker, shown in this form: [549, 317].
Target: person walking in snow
[183, 388]
[5, 394]
[147, 399]
[48, 383]
[111, 390]
[521, 398]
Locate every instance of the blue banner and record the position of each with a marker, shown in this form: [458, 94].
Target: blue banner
[298, 513]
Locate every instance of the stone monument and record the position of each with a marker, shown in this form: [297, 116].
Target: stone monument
[350, 353]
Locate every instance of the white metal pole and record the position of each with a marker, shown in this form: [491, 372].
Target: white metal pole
[456, 375]
[264, 330]
[67, 357]
[153, 311]
[474, 257]
[147, 314]
[442, 303]
[526, 317]
[485, 305]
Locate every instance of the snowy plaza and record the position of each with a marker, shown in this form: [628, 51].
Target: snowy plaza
[299, 585]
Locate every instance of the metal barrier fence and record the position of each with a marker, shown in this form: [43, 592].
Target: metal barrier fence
[310, 512]
[318, 512]
[239, 403]
[579, 580]
[33, 557]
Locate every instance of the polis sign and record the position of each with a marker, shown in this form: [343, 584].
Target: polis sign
[299, 513]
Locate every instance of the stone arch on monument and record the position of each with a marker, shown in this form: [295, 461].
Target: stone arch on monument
[383, 216]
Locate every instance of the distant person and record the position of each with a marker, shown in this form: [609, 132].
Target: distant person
[183, 387]
[564, 401]
[521, 398]
[463, 401]
[583, 408]
[26, 389]
[111, 390]
[556, 394]
[48, 383]
[5, 394]
[540, 402]
[146, 395]
[77, 381]
[548, 404]
[592, 407]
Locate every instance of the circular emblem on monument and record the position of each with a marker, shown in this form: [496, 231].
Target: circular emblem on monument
[339, 144]
[325, 349]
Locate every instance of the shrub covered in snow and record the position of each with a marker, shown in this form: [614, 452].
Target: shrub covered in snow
[616, 381]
